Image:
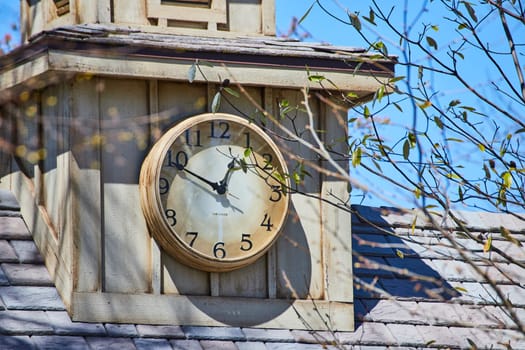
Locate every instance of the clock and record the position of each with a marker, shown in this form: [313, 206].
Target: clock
[214, 192]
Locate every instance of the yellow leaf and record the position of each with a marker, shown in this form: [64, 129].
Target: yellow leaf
[425, 104]
[487, 245]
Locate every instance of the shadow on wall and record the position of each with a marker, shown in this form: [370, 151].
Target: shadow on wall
[386, 267]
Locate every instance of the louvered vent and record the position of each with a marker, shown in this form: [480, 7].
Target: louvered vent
[202, 3]
[62, 7]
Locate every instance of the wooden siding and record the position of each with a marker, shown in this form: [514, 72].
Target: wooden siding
[87, 219]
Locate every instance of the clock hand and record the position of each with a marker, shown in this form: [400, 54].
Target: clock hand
[223, 184]
[215, 186]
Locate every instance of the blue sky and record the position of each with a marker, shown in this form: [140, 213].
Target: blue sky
[326, 29]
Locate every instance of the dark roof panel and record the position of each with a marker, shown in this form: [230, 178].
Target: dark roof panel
[423, 297]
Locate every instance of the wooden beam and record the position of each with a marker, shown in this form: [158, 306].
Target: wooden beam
[212, 311]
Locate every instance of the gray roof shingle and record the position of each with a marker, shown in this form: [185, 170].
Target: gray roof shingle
[411, 291]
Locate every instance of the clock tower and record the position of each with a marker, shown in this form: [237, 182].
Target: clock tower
[153, 161]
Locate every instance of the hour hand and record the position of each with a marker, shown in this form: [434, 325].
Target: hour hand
[215, 186]
[223, 184]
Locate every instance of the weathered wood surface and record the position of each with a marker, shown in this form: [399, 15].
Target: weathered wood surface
[212, 311]
[95, 239]
[222, 17]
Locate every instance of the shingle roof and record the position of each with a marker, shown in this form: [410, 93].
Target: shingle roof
[411, 290]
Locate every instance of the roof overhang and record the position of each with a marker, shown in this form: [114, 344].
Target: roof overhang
[259, 61]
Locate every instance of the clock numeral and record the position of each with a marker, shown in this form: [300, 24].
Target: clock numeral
[277, 193]
[222, 133]
[181, 159]
[171, 216]
[267, 222]
[193, 141]
[218, 250]
[246, 244]
[193, 236]
[164, 185]
[268, 158]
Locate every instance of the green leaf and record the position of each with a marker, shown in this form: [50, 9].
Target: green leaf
[481, 147]
[508, 236]
[417, 192]
[316, 78]
[435, 28]
[398, 107]
[507, 179]
[454, 103]
[354, 19]
[400, 254]
[502, 197]
[231, 92]
[379, 94]
[396, 79]
[378, 167]
[438, 122]
[453, 139]
[406, 149]
[460, 193]
[371, 17]
[244, 166]
[216, 102]
[303, 17]
[471, 11]
[487, 171]
[366, 112]
[192, 72]
[247, 152]
[356, 157]
[412, 139]
[432, 43]
[351, 95]
[284, 103]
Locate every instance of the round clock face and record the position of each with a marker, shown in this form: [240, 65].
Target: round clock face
[213, 192]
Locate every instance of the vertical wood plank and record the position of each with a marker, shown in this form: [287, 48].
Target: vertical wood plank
[156, 263]
[272, 252]
[104, 11]
[123, 105]
[214, 277]
[245, 17]
[336, 222]
[181, 279]
[214, 284]
[85, 182]
[175, 102]
[239, 283]
[299, 253]
[268, 17]
[129, 11]
[337, 243]
[127, 246]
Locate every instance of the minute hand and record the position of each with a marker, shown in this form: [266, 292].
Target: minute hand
[215, 186]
